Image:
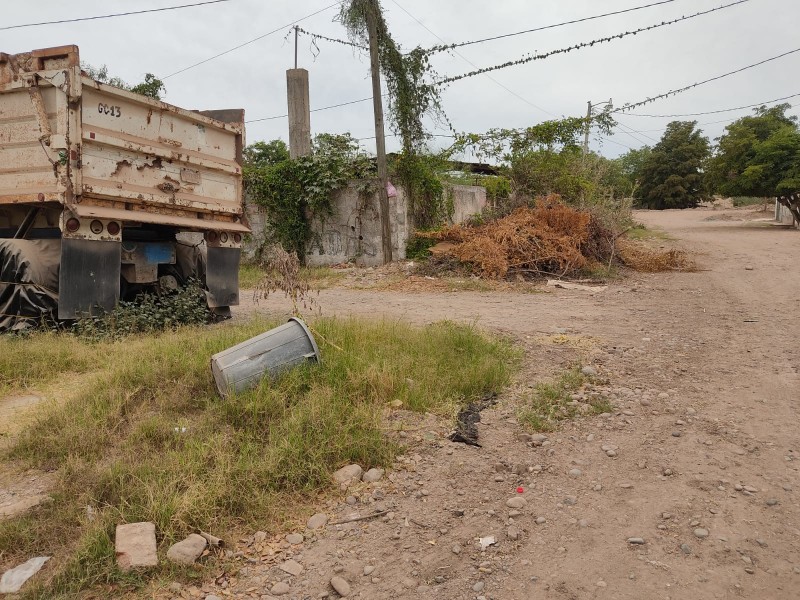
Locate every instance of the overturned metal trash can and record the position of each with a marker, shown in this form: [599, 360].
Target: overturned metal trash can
[243, 366]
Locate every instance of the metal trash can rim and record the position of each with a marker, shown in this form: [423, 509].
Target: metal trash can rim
[311, 339]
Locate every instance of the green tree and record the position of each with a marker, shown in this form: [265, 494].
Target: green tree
[152, 86]
[262, 154]
[630, 165]
[759, 155]
[672, 175]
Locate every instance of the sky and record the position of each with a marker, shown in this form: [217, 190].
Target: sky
[625, 70]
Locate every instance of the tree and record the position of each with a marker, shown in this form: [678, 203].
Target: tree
[262, 154]
[630, 165]
[672, 175]
[759, 155]
[152, 86]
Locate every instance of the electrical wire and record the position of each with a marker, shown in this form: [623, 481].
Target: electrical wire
[532, 57]
[699, 83]
[507, 35]
[715, 112]
[457, 53]
[274, 31]
[124, 14]
[313, 110]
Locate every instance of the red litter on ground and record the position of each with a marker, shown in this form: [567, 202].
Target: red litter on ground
[520, 490]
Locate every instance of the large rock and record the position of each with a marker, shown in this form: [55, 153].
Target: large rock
[187, 551]
[135, 545]
[292, 567]
[347, 474]
[13, 579]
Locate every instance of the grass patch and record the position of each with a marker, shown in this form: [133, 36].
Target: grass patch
[149, 440]
[319, 278]
[551, 403]
[642, 233]
[739, 201]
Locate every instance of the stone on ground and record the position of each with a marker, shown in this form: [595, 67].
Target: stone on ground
[294, 538]
[291, 567]
[340, 585]
[516, 502]
[135, 546]
[13, 579]
[347, 474]
[372, 476]
[280, 589]
[317, 521]
[187, 551]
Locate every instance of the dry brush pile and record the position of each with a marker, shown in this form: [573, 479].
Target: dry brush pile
[549, 239]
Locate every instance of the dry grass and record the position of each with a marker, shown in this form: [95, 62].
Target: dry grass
[642, 258]
[551, 238]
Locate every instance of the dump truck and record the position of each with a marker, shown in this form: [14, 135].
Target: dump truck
[105, 193]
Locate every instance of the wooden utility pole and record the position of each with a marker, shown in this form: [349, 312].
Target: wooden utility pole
[380, 141]
[587, 129]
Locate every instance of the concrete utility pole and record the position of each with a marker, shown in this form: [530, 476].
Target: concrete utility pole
[587, 129]
[299, 109]
[380, 141]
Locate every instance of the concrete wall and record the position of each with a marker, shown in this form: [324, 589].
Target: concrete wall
[468, 200]
[353, 233]
[784, 215]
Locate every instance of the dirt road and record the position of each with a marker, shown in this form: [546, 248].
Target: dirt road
[699, 496]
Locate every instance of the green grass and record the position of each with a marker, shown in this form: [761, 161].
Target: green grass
[551, 403]
[319, 278]
[641, 232]
[256, 460]
[739, 201]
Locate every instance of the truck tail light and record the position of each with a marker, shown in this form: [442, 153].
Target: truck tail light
[237, 237]
[212, 236]
[113, 228]
[96, 227]
[73, 225]
[223, 237]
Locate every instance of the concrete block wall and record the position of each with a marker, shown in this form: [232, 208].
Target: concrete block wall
[353, 233]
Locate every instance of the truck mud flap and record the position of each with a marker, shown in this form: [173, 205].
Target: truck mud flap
[222, 276]
[88, 283]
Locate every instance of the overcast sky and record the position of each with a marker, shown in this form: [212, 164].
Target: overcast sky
[626, 70]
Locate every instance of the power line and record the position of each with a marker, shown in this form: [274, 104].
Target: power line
[714, 112]
[699, 83]
[124, 14]
[532, 57]
[507, 35]
[313, 110]
[197, 64]
[509, 90]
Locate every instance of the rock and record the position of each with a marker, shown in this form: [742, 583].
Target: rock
[456, 549]
[570, 500]
[478, 587]
[601, 584]
[636, 541]
[187, 551]
[516, 502]
[772, 502]
[676, 434]
[701, 533]
[340, 585]
[175, 587]
[280, 589]
[347, 474]
[291, 567]
[645, 402]
[538, 438]
[583, 523]
[135, 546]
[295, 538]
[369, 570]
[589, 371]
[513, 533]
[611, 453]
[259, 537]
[541, 520]
[575, 472]
[13, 579]
[372, 475]
[396, 404]
[686, 549]
[351, 500]
[317, 521]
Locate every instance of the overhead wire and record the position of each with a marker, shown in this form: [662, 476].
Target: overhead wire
[714, 112]
[274, 31]
[582, 45]
[109, 16]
